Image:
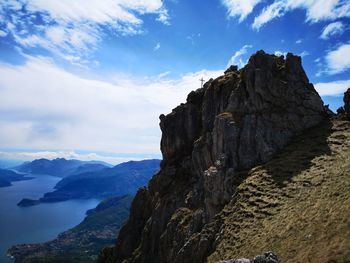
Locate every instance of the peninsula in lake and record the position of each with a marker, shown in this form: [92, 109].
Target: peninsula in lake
[122, 179]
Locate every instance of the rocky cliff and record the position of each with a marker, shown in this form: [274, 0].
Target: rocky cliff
[347, 102]
[235, 122]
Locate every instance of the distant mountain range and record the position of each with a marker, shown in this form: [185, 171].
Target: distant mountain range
[122, 179]
[9, 176]
[60, 167]
[9, 163]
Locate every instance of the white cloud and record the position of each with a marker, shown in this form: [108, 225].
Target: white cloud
[3, 33]
[240, 8]
[164, 17]
[156, 47]
[316, 10]
[274, 10]
[193, 38]
[75, 28]
[304, 54]
[280, 53]
[338, 60]
[237, 58]
[45, 107]
[332, 29]
[332, 88]
[299, 41]
[163, 74]
[66, 11]
[68, 43]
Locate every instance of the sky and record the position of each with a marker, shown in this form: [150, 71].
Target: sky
[88, 79]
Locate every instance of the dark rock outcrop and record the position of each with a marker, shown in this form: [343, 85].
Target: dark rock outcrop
[329, 112]
[268, 257]
[344, 111]
[233, 123]
[28, 202]
[347, 102]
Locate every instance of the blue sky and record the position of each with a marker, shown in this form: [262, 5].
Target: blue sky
[88, 79]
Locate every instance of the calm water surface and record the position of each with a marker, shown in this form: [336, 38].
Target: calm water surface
[36, 223]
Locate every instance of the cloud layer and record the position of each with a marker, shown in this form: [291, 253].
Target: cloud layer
[316, 10]
[45, 107]
[71, 29]
[333, 88]
[240, 8]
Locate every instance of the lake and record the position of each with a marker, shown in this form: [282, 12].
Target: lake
[39, 223]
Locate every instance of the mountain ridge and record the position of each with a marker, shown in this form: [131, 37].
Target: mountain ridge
[59, 167]
[122, 179]
[236, 122]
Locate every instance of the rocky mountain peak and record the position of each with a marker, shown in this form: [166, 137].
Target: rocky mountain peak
[233, 123]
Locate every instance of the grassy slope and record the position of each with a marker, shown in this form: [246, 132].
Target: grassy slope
[297, 205]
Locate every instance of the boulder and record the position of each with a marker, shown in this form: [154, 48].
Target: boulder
[268, 257]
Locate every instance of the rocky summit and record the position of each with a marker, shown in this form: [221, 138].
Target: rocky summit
[202, 204]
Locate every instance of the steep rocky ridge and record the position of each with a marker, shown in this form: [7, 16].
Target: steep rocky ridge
[347, 102]
[232, 124]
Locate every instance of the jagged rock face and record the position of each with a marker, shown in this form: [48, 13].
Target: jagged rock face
[347, 102]
[233, 123]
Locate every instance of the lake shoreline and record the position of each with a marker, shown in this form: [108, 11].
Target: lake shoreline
[40, 223]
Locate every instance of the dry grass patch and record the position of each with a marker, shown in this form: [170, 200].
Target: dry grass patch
[297, 205]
